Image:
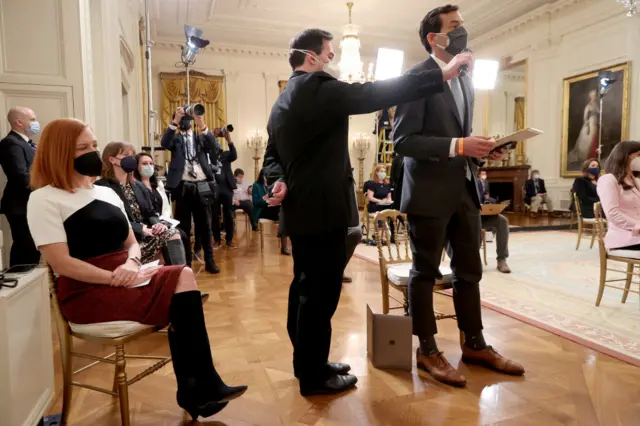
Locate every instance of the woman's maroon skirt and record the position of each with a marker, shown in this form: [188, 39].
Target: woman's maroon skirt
[84, 303]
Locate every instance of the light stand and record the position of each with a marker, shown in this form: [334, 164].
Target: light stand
[605, 81]
[150, 111]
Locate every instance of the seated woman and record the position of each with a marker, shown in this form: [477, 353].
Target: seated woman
[262, 210]
[379, 191]
[619, 192]
[118, 166]
[146, 173]
[84, 235]
[585, 187]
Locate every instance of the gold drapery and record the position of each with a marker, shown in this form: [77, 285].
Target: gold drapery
[282, 84]
[207, 90]
[519, 122]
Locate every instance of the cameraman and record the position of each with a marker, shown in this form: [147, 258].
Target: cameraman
[190, 177]
[226, 185]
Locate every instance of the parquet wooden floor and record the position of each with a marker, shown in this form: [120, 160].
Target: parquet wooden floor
[565, 384]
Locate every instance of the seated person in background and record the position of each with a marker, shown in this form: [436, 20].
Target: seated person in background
[118, 166]
[536, 193]
[262, 210]
[84, 235]
[619, 192]
[242, 197]
[585, 187]
[483, 188]
[379, 191]
[497, 224]
[146, 173]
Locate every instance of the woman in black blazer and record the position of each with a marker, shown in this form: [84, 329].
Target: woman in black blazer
[585, 187]
[118, 165]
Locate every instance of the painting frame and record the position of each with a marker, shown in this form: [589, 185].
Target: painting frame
[625, 68]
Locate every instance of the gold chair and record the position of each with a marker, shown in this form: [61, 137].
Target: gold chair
[572, 213]
[395, 262]
[582, 222]
[116, 334]
[247, 222]
[630, 257]
[366, 218]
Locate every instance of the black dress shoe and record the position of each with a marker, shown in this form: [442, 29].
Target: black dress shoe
[285, 252]
[211, 268]
[205, 297]
[333, 368]
[331, 386]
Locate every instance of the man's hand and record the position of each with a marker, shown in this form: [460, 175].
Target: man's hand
[476, 146]
[496, 155]
[452, 69]
[226, 135]
[179, 114]
[279, 193]
[200, 122]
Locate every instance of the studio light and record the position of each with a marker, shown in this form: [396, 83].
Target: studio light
[485, 74]
[605, 80]
[193, 44]
[388, 63]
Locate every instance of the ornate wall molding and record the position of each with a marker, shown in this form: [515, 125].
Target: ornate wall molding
[230, 50]
[126, 54]
[543, 12]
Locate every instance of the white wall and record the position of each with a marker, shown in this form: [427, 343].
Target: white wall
[588, 35]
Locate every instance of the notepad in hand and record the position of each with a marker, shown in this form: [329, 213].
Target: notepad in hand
[510, 141]
[147, 266]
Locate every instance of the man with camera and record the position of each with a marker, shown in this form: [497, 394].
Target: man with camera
[224, 198]
[190, 177]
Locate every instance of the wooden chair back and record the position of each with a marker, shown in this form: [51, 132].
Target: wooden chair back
[576, 203]
[400, 251]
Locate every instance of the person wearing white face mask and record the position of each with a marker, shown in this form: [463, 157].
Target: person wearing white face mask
[619, 192]
[17, 151]
[536, 193]
[379, 191]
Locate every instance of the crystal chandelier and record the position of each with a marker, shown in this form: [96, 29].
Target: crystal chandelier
[631, 6]
[350, 63]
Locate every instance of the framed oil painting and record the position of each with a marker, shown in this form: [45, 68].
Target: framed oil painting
[581, 118]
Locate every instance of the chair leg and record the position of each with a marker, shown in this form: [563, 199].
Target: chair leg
[405, 301]
[123, 388]
[627, 284]
[67, 375]
[484, 248]
[603, 278]
[385, 296]
[261, 232]
[461, 338]
[593, 235]
[579, 233]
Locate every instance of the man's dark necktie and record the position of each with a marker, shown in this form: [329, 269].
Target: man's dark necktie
[32, 145]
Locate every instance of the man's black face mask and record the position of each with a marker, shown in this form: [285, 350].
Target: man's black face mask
[185, 124]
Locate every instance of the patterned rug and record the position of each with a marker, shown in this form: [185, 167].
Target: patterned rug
[554, 287]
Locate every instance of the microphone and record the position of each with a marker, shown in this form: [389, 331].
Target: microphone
[464, 69]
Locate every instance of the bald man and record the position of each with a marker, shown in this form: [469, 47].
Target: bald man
[16, 156]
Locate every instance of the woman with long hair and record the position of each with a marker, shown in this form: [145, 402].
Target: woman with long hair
[83, 233]
[262, 210]
[119, 163]
[585, 187]
[619, 192]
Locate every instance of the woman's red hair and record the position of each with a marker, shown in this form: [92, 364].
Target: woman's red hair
[53, 164]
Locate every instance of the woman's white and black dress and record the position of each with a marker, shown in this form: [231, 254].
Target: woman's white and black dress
[94, 225]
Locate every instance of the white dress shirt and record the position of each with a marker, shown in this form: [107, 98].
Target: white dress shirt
[452, 148]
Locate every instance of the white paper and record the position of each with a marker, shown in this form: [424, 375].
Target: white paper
[169, 222]
[147, 266]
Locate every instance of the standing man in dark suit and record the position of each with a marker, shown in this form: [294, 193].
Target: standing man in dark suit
[441, 159]
[308, 134]
[189, 176]
[16, 156]
[226, 184]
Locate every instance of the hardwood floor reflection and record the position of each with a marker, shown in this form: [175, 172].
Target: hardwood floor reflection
[565, 384]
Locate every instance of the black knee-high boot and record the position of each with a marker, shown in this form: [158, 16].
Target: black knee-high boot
[173, 253]
[201, 391]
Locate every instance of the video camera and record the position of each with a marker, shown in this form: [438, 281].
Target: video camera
[191, 111]
[222, 130]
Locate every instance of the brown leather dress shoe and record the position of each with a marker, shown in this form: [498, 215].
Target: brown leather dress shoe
[503, 267]
[440, 369]
[489, 357]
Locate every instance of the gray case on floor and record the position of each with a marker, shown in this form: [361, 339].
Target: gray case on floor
[389, 341]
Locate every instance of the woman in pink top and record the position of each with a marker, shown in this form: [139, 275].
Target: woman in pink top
[619, 192]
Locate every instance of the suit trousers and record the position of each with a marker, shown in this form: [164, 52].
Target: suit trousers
[23, 249]
[318, 265]
[461, 232]
[188, 205]
[224, 199]
[500, 224]
[538, 200]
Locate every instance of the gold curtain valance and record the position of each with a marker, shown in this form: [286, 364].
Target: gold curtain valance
[207, 90]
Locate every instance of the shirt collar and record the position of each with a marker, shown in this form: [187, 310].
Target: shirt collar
[438, 61]
[25, 137]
